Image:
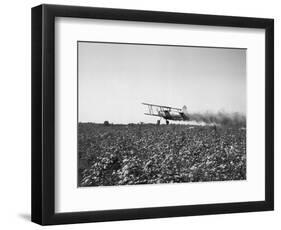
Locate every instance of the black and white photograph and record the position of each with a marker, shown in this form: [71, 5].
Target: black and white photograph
[155, 114]
[140, 114]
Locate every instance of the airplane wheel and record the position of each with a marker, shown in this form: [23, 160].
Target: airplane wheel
[167, 122]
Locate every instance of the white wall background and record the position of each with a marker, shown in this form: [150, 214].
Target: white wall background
[15, 114]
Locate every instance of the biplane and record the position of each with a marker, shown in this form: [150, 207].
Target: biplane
[167, 112]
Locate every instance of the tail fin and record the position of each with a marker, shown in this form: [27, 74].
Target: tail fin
[185, 113]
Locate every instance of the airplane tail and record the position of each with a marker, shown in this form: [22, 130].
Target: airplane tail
[184, 109]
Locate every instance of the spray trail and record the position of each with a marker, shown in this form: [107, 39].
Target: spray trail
[220, 118]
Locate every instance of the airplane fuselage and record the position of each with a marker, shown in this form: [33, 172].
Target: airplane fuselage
[175, 116]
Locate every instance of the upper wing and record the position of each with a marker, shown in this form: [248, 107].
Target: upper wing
[162, 107]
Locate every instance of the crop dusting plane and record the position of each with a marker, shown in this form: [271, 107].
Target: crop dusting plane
[167, 112]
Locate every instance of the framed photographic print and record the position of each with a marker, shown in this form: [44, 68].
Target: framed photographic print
[143, 114]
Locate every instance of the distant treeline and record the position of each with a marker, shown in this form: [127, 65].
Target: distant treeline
[220, 118]
[207, 118]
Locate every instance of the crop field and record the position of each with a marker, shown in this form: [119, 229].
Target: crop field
[151, 154]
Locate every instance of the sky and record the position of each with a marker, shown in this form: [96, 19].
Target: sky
[114, 79]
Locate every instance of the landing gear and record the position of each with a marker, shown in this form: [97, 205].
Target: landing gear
[158, 122]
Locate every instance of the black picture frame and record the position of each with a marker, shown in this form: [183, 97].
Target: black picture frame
[43, 114]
